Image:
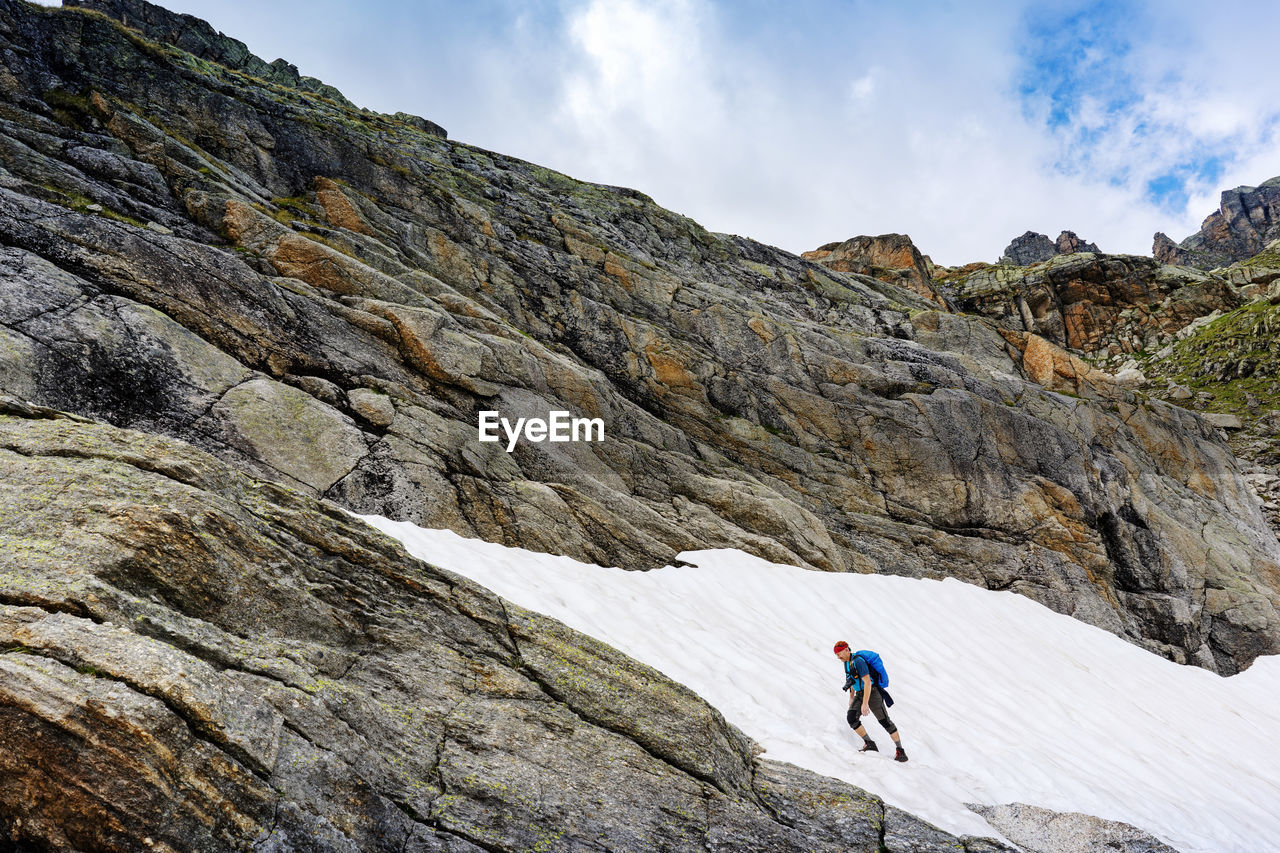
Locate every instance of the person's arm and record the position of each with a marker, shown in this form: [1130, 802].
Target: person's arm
[866, 695]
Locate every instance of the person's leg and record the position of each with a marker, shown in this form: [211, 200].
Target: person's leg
[876, 703]
[855, 723]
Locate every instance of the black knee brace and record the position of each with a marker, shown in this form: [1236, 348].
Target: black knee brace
[852, 717]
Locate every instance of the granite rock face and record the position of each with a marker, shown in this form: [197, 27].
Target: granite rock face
[1226, 365]
[193, 252]
[194, 660]
[1247, 219]
[1165, 251]
[1030, 248]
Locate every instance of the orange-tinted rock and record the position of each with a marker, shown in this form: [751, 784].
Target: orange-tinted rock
[339, 209]
[888, 257]
[1058, 370]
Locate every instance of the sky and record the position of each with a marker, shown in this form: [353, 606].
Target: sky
[962, 124]
[997, 698]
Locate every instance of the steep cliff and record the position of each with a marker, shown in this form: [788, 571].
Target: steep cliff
[327, 297]
[1227, 365]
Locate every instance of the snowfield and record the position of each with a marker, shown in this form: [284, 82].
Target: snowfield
[998, 699]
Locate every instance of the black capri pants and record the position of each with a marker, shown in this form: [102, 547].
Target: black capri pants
[876, 703]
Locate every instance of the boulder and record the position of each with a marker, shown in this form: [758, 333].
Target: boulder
[373, 406]
[1131, 378]
[1222, 420]
[1041, 830]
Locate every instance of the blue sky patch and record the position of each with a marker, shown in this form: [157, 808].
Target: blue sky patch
[1083, 75]
[1169, 191]
[1077, 59]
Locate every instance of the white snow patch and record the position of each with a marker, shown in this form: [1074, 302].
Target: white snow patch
[998, 698]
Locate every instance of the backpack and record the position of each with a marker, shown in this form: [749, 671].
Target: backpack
[879, 675]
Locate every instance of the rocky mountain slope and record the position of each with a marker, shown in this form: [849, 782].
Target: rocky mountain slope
[191, 659]
[1193, 326]
[1200, 339]
[1226, 365]
[328, 297]
[198, 248]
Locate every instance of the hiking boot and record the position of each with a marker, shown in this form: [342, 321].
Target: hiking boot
[900, 755]
[869, 746]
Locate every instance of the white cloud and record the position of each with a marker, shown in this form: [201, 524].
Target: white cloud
[928, 141]
[641, 90]
[1199, 107]
[862, 89]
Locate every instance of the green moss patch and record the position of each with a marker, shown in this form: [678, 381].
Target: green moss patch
[81, 203]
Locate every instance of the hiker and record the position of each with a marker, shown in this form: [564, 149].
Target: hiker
[863, 673]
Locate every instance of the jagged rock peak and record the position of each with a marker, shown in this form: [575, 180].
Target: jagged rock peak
[1247, 219]
[1165, 251]
[1035, 248]
[1030, 248]
[198, 38]
[1069, 243]
[888, 257]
